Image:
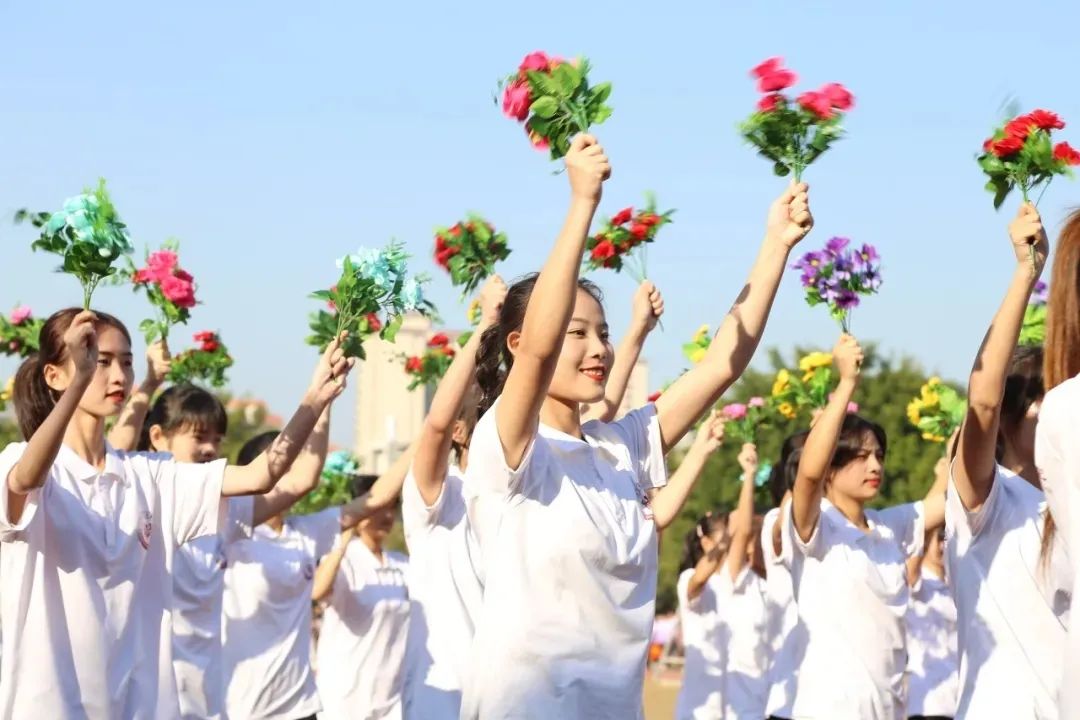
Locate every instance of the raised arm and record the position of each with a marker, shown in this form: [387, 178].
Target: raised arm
[648, 306]
[974, 467]
[433, 447]
[382, 494]
[263, 472]
[706, 566]
[32, 469]
[740, 331]
[302, 477]
[741, 525]
[536, 348]
[328, 567]
[820, 445]
[128, 428]
[668, 502]
[934, 502]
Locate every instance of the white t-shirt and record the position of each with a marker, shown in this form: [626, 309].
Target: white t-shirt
[361, 650]
[569, 563]
[727, 641]
[445, 593]
[786, 630]
[267, 630]
[1013, 611]
[1057, 455]
[198, 590]
[852, 594]
[932, 657]
[88, 589]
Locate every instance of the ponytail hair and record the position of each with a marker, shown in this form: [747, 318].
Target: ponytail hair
[494, 359]
[703, 528]
[1063, 309]
[32, 396]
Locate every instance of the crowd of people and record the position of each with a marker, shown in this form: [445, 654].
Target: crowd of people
[143, 576]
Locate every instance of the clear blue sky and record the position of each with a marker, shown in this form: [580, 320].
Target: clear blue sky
[273, 137]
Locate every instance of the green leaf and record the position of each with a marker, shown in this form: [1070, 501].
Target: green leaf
[568, 77]
[780, 169]
[544, 107]
[600, 93]
[602, 113]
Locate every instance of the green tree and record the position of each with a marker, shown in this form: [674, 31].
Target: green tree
[886, 386]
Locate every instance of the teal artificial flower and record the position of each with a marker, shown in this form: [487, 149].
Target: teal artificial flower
[340, 462]
[763, 473]
[412, 294]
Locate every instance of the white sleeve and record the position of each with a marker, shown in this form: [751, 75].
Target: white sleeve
[198, 507]
[488, 471]
[9, 458]
[793, 544]
[414, 512]
[1057, 455]
[964, 524]
[321, 528]
[640, 431]
[239, 519]
[682, 590]
[908, 525]
[769, 552]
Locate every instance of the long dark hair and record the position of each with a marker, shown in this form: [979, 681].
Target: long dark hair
[184, 406]
[255, 447]
[703, 528]
[782, 477]
[33, 397]
[494, 359]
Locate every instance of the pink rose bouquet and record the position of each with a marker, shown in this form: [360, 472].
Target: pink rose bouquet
[742, 420]
[169, 288]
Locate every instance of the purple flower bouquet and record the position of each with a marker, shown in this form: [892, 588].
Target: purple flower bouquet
[836, 277]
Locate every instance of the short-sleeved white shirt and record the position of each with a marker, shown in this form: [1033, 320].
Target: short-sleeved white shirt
[852, 595]
[727, 641]
[1012, 610]
[1057, 455]
[569, 562]
[445, 595]
[932, 655]
[361, 650]
[88, 590]
[267, 629]
[786, 630]
[198, 590]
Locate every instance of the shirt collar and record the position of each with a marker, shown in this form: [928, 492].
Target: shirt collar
[84, 471]
[847, 529]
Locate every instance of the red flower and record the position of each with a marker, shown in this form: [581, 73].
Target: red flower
[655, 396]
[817, 104]
[649, 219]
[414, 364]
[538, 141]
[1007, 146]
[768, 67]
[516, 100]
[209, 346]
[639, 231]
[537, 61]
[456, 230]
[440, 244]
[448, 351]
[603, 251]
[623, 216]
[443, 258]
[1019, 128]
[1066, 154]
[768, 103]
[205, 336]
[988, 145]
[439, 340]
[839, 96]
[470, 227]
[1046, 120]
[373, 322]
[775, 81]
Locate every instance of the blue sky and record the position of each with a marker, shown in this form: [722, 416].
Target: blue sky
[273, 137]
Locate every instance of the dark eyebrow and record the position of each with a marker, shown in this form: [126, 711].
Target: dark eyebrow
[583, 320]
[106, 353]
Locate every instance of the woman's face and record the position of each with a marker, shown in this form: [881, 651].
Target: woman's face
[112, 380]
[378, 525]
[861, 478]
[586, 357]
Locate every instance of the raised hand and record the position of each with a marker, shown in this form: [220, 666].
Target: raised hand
[328, 382]
[648, 306]
[711, 433]
[789, 215]
[1028, 237]
[848, 357]
[82, 343]
[158, 362]
[587, 167]
[748, 458]
[492, 295]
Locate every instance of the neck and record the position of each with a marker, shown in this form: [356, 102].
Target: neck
[371, 544]
[562, 416]
[463, 461]
[1021, 465]
[85, 434]
[934, 566]
[276, 523]
[851, 508]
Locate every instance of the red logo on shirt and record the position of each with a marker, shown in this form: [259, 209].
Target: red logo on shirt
[145, 528]
[645, 509]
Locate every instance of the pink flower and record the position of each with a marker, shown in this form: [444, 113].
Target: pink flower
[516, 100]
[816, 103]
[768, 67]
[538, 61]
[838, 95]
[538, 141]
[768, 103]
[161, 262]
[178, 291]
[20, 315]
[144, 276]
[734, 411]
[756, 402]
[778, 80]
[852, 408]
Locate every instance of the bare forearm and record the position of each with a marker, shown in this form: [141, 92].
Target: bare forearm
[742, 522]
[383, 492]
[264, 472]
[302, 477]
[816, 458]
[705, 569]
[669, 501]
[41, 450]
[328, 568]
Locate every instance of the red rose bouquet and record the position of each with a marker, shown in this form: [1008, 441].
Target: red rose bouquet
[170, 290]
[429, 368]
[1021, 153]
[206, 363]
[621, 243]
[468, 251]
[794, 133]
[553, 99]
[20, 332]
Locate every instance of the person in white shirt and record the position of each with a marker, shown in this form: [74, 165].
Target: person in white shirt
[91, 532]
[848, 562]
[931, 627]
[189, 423]
[1010, 581]
[1057, 450]
[786, 630]
[565, 514]
[361, 646]
[725, 615]
[267, 628]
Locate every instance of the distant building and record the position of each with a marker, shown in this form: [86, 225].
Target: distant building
[388, 416]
